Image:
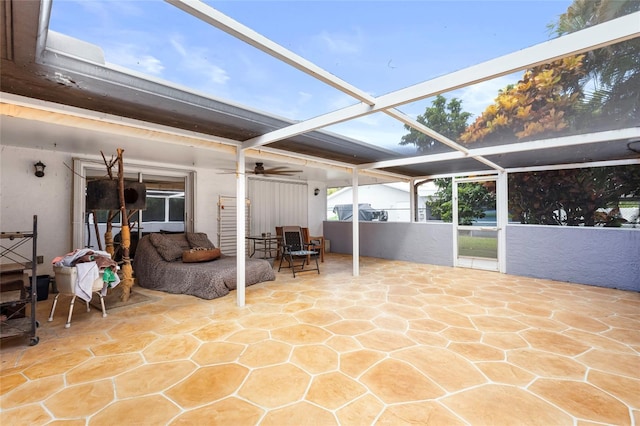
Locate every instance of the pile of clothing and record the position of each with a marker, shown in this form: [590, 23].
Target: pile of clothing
[90, 266]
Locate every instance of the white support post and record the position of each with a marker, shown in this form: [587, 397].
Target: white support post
[502, 217]
[240, 226]
[454, 218]
[355, 224]
[412, 201]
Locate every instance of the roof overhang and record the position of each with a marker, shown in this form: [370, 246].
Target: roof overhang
[48, 80]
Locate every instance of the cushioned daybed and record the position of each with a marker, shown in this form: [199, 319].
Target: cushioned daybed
[158, 265]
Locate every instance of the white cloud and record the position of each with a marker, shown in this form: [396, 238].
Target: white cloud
[132, 57]
[110, 12]
[195, 61]
[341, 44]
[340, 101]
[377, 129]
[151, 64]
[304, 98]
[177, 45]
[250, 71]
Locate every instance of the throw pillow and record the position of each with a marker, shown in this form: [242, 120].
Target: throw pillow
[200, 255]
[168, 249]
[180, 238]
[199, 240]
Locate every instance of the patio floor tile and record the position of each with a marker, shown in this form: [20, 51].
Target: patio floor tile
[403, 343]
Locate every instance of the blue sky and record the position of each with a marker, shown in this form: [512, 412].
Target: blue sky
[378, 46]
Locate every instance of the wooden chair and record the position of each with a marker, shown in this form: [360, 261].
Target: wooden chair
[279, 235]
[316, 243]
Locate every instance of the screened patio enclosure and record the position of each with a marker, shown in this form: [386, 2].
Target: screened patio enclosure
[51, 79]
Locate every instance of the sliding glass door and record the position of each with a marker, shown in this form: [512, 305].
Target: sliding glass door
[169, 205]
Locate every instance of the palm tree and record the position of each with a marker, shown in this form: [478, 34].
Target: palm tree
[612, 74]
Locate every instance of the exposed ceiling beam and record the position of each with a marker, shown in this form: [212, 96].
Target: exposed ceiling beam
[588, 138]
[437, 136]
[309, 161]
[611, 32]
[609, 163]
[31, 109]
[606, 136]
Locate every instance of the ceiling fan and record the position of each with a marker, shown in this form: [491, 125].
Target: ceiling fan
[274, 171]
[282, 171]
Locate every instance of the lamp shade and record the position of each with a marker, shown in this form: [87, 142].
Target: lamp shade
[39, 166]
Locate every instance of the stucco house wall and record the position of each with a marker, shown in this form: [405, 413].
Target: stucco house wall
[23, 195]
[604, 257]
[413, 242]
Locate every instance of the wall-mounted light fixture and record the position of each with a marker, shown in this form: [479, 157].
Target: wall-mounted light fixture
[316, 191]
[39, 166]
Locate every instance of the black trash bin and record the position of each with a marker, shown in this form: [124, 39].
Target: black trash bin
[42, 285]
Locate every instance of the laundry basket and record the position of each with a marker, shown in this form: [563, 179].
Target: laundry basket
[66, 279]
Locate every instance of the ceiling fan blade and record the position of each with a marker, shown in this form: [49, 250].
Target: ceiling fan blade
[260, 170]
[275, 170]
[233, 172]
[283, 172]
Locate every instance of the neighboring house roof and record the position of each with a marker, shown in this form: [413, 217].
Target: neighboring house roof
[381, 196]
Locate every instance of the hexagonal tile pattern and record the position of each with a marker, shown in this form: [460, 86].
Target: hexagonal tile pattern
[56, 365]
[504, 405]
[229, 411]
[81, 400]
[152, 378]
[315, 359]
[275, 386]
[103, 367]
[153, 409]
[265, 353]
[357, 362]
[402, 343]
[301, 334]
[554, 342]
[217, 352]
[302, 413]
[546, 364]
[429, 412]
[208, 384]
[582, 400]
[333, 390]
[394, 381]
[127, 344]
[26, 414]
[10, 382]
[33, 391]
[170, 348]
[446, 368]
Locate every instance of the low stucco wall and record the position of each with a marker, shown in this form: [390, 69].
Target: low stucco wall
[606, 257]
[429, 243]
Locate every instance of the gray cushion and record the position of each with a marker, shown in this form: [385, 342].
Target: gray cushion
[199, 240]
[169, 249]
[179, 238]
